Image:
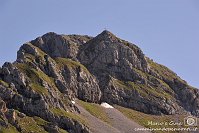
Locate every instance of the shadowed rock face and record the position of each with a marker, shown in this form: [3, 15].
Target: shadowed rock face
[52, 70]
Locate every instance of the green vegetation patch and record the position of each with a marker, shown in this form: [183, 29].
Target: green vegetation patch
[41, 53]
[62, 131]
[29, 57]
[145, 119]
[131, 86]
[135, 48]
[39, 89]
[9, 129]
[121, 84]
[140, 73]
[43, 123]
[28, 124]
[68, 114]
[70, 63]
[40, 121]
[39, 58]
[64, 98]
[96, 110]
[163, 71]
[35, 76]
[160, 83]
[4, 83]
[144, 90]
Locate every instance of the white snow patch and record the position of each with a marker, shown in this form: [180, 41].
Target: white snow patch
[73, 102]
[106, 105]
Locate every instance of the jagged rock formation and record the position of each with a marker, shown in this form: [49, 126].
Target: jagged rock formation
[52, 70]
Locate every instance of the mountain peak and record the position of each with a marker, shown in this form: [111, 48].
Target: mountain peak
[106, 35]
[106, 32]
[50, 34]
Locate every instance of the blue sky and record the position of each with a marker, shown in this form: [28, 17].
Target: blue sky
[167, 31]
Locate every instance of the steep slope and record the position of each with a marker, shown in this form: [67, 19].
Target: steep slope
[112, 120]
[53, 70]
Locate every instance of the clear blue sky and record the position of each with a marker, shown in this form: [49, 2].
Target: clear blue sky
[167, 31]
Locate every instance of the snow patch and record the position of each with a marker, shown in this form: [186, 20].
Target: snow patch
[73, 102]
[106, 105]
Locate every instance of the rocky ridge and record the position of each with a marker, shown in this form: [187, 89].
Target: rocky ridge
[53, 70]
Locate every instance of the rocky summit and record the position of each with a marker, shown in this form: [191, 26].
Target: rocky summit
[58, 82]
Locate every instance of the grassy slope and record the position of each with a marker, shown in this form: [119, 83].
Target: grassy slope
[145, 90]
[95, 110]
[143, 119]
[139, 117]
[163, 71]
[35, 76]
[68, 114]
[11, 129]
[71, 64]
[4, 83]
[29, 125]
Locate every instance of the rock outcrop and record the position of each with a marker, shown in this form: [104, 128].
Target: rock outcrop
[53, 70]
